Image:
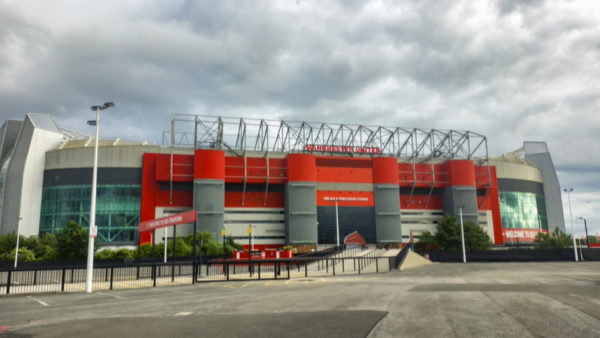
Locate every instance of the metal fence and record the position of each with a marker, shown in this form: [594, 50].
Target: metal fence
[71, 278]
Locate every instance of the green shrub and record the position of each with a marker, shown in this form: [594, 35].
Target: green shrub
[25, 255]
[72, 241]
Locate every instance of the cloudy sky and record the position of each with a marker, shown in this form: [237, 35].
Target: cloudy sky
[514, 71]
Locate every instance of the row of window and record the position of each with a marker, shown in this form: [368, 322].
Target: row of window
[117, 209]
[523, 210]
[118, 212]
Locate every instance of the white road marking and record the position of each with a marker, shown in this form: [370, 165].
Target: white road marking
[114, 296]
[38, 301]
[183, 314]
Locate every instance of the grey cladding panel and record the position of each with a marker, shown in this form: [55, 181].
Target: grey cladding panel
[387, 214]
[464, 196]
[301, 213]
[209, 202]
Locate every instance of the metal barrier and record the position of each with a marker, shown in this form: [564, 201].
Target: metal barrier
[136, 275]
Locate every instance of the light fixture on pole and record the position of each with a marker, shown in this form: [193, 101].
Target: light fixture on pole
[462, 233]
[587, 241]
[568, 191]
[17, 247]
[93, 229]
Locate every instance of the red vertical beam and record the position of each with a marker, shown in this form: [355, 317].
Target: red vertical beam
[149, 190]
[495, 206]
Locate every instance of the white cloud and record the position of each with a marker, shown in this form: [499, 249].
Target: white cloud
[511, 70]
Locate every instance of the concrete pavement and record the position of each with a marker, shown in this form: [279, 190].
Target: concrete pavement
[440, 300]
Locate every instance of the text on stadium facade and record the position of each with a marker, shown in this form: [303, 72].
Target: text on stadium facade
[342, 149]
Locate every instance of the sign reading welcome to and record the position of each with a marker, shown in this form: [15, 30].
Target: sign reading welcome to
[184, 217]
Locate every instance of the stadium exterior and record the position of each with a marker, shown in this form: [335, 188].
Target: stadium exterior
[292, 182]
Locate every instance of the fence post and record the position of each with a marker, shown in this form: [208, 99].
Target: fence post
[112, 272]
[154, 275]
[62, 280]
[288, 269]
[327, 265]
[228, 270]
[8, 278]
[137, 272]
[305, 269]
[333, 265]
[376, 265]
[259, 270]
[34, 277]
[359, 266]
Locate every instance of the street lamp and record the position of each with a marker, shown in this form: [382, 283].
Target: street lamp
[568, 191]
[93, 229]
[462, 233]
[586, 232]
[17, 247]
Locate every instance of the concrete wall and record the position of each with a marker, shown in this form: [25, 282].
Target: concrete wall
[24, 178]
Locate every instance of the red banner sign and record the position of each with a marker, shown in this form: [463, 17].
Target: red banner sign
[522, 235]
[184, 217]
[342, 149]
[355, 238]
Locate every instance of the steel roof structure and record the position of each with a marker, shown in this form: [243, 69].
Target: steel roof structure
[249, 134]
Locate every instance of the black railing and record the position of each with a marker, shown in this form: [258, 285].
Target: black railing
[119, 275]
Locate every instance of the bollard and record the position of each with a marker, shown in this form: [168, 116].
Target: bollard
[62, 280]
[112, 272]
[8, 280]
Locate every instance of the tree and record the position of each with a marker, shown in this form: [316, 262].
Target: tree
[72, 241]
[426, 242]
[447, 236]
[557, 239]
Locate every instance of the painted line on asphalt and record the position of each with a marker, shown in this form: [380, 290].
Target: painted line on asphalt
[180, 292]
[246, 284]
[38, 301]
[109, 295]
[183, 314]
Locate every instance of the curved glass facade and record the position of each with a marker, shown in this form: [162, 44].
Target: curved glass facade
[522, 210]
[117, 209]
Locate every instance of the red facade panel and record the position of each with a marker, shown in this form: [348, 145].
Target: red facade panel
[301, 168]
[233, 199]
[183, 168]
[209, 164]
[385, 170]
[462, 172]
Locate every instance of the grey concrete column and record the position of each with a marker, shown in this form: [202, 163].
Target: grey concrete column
[387, 213]
[209, 202]
[301, 213]
[465, 196]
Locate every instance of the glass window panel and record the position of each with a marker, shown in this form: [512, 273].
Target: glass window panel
[117, 209]
[522, 210]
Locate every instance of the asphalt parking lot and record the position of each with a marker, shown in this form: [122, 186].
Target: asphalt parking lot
[441, 300]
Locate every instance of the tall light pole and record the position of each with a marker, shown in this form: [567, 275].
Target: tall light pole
[337, 224]
[586, 232]
[462, 233]
[17, 247]
[93, 229]
[568, 191]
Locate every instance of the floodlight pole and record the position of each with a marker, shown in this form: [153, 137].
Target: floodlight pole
[462, 233]
[17, 247]
[587, 241]
[93, 230]
[337, 224]
[568, 191]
